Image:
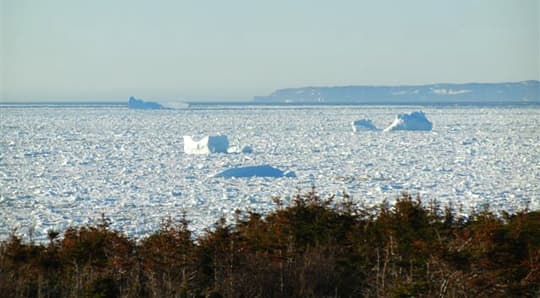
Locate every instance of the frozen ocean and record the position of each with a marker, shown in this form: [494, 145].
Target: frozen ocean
[66, 165]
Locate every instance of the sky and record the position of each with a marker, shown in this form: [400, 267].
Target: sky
[101, 50]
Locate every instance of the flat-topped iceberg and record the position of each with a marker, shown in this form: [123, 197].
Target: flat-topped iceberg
[254, 171]
[134, 103]
[173, 104]
[363, 125]
[207, 145]
[413, 121]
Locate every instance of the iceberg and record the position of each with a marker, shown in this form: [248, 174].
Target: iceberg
[363, 125]
[412, 121]
[235, 149]
[207, 145]
[254, 171]
[134, 103]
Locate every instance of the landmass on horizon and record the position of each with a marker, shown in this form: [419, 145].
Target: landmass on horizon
[523, 92]
[507, 92]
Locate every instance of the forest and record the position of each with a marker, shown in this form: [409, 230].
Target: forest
[313, 247]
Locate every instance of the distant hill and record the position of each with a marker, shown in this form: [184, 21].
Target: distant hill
[517, 92]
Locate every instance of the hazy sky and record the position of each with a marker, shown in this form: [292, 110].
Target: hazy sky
[233, 50]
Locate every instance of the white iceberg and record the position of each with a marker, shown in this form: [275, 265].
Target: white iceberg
[254, 171]
[412, 121]
[207, 145]
[363, 125]
[236, 149]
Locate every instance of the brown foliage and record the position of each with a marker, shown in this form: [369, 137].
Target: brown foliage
[313, 248]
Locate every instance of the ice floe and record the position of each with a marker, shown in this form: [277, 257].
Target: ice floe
[254, 171]
[363, 125]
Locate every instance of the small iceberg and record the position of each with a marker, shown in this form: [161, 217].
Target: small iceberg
[134, 103]
[363, 125]
[254, 171]
[412, 121]
[235, 149]
[207, 145]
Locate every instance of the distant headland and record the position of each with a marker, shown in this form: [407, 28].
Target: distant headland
[481, 93]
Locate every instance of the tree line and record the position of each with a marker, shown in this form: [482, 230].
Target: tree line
[312, 247]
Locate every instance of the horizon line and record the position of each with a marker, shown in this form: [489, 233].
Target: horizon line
[117, 101]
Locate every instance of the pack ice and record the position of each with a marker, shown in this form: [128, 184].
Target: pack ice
[255, 171]
[363, 124]
[207, 145]
[413, 121]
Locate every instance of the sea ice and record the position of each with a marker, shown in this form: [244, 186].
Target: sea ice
[247, 149]
[137, 173]
[173, 104]
[254, 171]
[363, 125]
[412, 121]
[207, 145]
